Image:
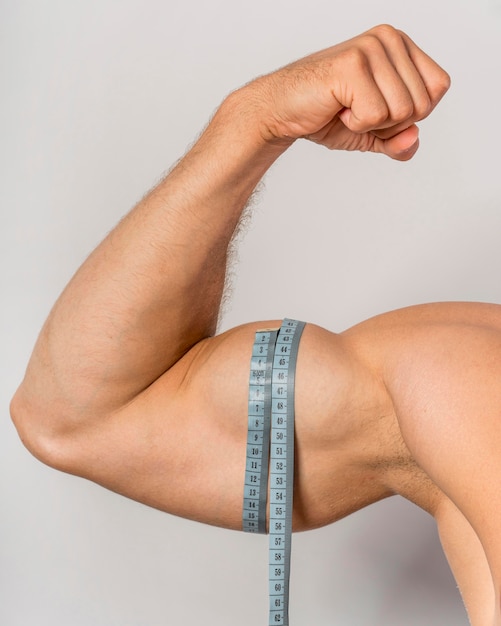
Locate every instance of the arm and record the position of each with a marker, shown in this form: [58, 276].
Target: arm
[442, 371]
[453, 432]
[468, 563]
[110, 392]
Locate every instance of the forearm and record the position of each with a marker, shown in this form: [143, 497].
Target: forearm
[152, 288]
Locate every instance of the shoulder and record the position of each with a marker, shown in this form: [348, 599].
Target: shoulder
[443, 358]
[444, 314]
[434, 354]
[442, 368]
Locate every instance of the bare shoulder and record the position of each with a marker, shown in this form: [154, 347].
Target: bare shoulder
[440, 357]
[437, 353]
[436, 313]
[442, 367]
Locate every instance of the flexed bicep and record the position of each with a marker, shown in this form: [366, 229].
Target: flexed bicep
[181, 444]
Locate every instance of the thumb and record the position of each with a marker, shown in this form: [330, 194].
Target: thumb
[402, 146]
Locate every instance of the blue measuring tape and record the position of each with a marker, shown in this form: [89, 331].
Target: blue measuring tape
[270, 442]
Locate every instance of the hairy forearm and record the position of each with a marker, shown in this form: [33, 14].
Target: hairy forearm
[152, 288]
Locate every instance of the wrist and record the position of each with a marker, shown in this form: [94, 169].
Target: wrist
[251, 108]
[235, 150]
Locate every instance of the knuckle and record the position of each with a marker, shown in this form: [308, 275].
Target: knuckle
[377, 115]
[357, 57]
[438, 86]
[444, 82]
[354, 58]
[422, 107]
[371, 43]
[386, 31]
[373, 117]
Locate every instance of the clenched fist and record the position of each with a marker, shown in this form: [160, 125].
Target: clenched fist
[364, 94]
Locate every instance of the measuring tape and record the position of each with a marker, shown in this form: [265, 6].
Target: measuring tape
[258, 432]
[270, 440]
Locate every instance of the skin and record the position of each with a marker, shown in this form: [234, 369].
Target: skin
[129, 385]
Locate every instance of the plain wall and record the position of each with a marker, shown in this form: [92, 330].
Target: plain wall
[98, 99]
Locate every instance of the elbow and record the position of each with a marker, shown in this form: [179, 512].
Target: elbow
[36, 433]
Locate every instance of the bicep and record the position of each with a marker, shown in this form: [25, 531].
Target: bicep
[180, 445]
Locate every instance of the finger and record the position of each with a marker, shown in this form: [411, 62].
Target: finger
[392, 131]
[401, 147]
[436, 80]
[396, 87]
[381, 96]
[408, 80]
[397, 51]
[386, 117]
[365, 106]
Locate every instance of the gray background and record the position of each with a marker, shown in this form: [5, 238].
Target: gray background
[97, 100]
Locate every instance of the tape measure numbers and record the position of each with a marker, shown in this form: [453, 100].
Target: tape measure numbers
[258, 433]
[271, 390]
